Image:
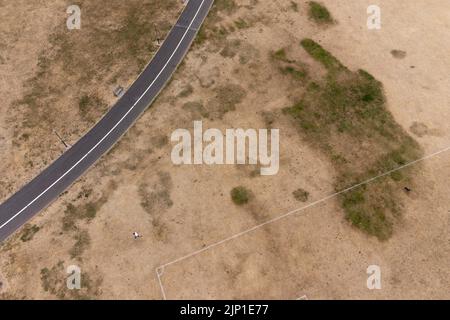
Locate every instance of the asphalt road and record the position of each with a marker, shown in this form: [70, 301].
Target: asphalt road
[47, 186]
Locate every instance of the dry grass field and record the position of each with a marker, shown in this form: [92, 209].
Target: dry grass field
[350, 103]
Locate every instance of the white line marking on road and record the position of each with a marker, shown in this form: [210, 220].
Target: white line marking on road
[115, 126]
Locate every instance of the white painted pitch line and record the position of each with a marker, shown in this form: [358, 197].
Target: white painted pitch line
[302, 208]
[115, 126]
[159, 273]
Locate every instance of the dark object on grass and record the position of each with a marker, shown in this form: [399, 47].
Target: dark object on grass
[136, 235]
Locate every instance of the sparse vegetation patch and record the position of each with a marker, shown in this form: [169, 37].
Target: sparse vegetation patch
[120, 35]
[89, 104]
[319, 13]
[86, 212]
[240, 195]
[227, 97]
[301, 195]
[345, 116]
[53, 281]
[28, 232]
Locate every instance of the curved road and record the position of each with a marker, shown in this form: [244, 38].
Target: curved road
[46, 187]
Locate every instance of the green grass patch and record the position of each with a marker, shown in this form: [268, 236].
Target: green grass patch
[294, 72]
[241, 24]
[319, 13]
[54, 282]
[288, 66]
[240, 195]
[321, 55]
[280, 55]
[345, 116]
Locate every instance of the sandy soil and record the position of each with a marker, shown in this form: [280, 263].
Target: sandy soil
[181, 210]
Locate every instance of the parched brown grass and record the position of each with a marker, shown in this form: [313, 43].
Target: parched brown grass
[65, 70]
